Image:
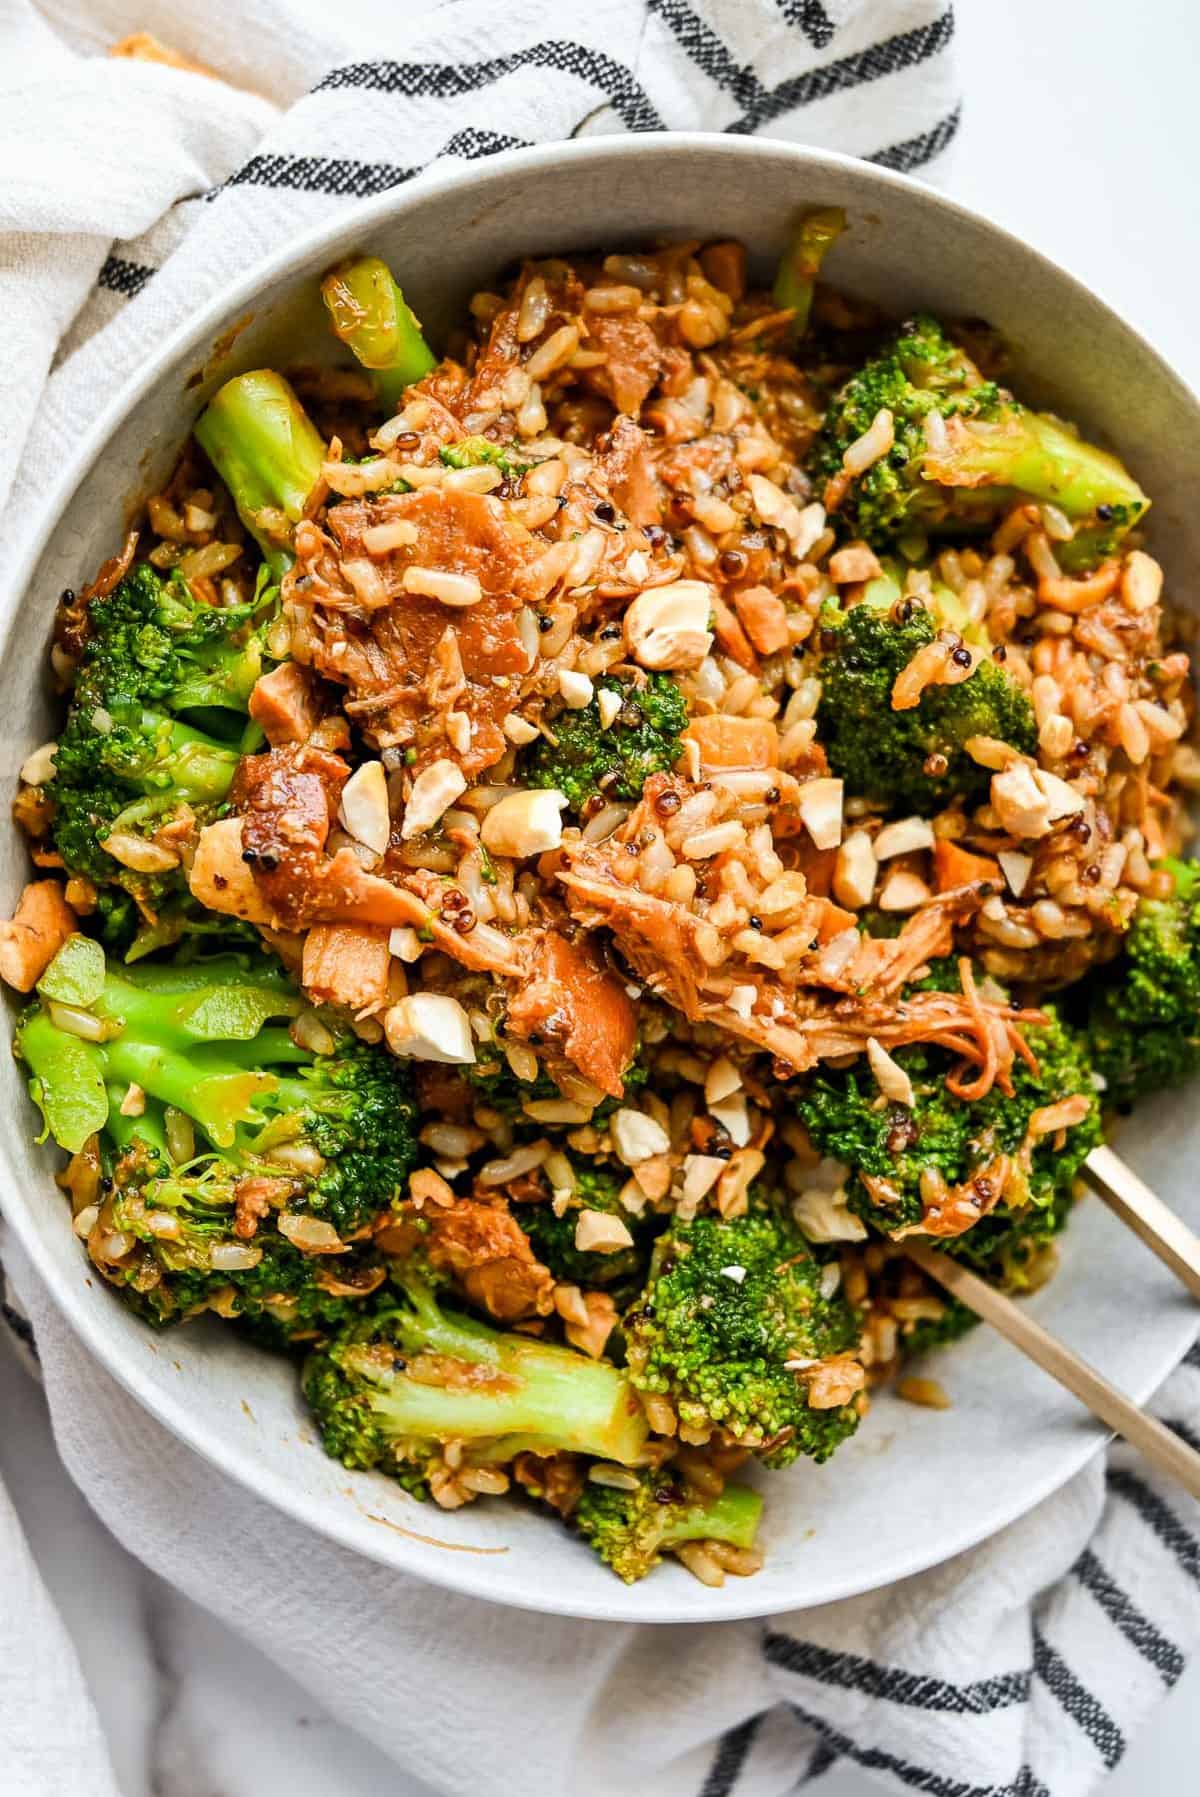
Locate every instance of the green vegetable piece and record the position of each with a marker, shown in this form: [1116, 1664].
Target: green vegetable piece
[266, 449]
[68, 1080]
[157, 722]
[800, 264]
[1144, 1008]
[843, 1112]
[76, 974]
[631, 1530]
[916, 758]
[586, 760]
[371, 316]
[728, 1305]
[513, 1393]
[963, 452]
[475, 452]
[553, 1237]
[331, 1138]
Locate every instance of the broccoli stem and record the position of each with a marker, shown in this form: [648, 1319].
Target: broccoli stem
[267, 451]
[548, 1397]
[371, 316]
[733, 1517]
[68, 1080]
[212, 1093]
[208, 1001]
[149, 1128]
[796, 279]
[195, 767]
[1039, 459]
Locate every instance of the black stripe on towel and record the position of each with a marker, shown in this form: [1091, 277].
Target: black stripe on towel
[1184, 1431]
[450, 81]
[848, 1672]
[1085, 1710]
[120, 276]
[917, 1778]
[359, 180]
[915, 151]
[729, 1759]
[888, 57]
[701, 43]
[810, 17]
[1124, 1615]
[1159, 1517]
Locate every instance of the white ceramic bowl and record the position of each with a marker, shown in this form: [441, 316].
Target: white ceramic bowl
[915, 1486]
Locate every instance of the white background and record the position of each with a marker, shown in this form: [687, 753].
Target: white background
[1079, 134]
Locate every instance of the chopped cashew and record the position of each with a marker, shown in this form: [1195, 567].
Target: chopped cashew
[524, 823]
[820, 806]
[433, 791]
[364, 807]
[37, 768]
[855, 871]
[1016, 869]
[597, 1233]
[668, 627]
[893, 1082]
[732, 1115]
[825, 1217]
[1019, 802]
[430, 1026]
[903, 837]
[576, 689]
[636, 1136]
[721, 1081]
[608, 704]
[903, 891]
[1061, 798]
[700, 1174]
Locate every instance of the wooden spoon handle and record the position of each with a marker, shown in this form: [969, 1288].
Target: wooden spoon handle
[1163, 1449]
[1131, 1199]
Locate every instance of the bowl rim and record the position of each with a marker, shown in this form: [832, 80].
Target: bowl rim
[180, 1417]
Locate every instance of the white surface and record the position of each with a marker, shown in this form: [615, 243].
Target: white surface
[1069, 139]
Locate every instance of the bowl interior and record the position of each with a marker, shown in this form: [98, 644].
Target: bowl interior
[1011, 1437]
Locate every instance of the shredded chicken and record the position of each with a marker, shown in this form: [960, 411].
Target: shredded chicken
[483, 1246]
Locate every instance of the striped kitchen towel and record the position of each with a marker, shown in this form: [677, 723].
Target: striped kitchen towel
[129, 190]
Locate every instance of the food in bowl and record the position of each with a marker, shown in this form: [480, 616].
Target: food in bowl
[559, 859]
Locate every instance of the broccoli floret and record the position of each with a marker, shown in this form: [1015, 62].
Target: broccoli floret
[729, 1303]
[372, 317]
[914, 757]
[187, 1256]
[378, 1404]
[268, 452]
[586, 761]
[153, 735]
[553, 1237]
[240, 1142]
[1144, 1018]
[987, 453]
[894, 1144]
[631, 1530]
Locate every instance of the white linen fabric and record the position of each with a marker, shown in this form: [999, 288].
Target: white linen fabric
[128, 192]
